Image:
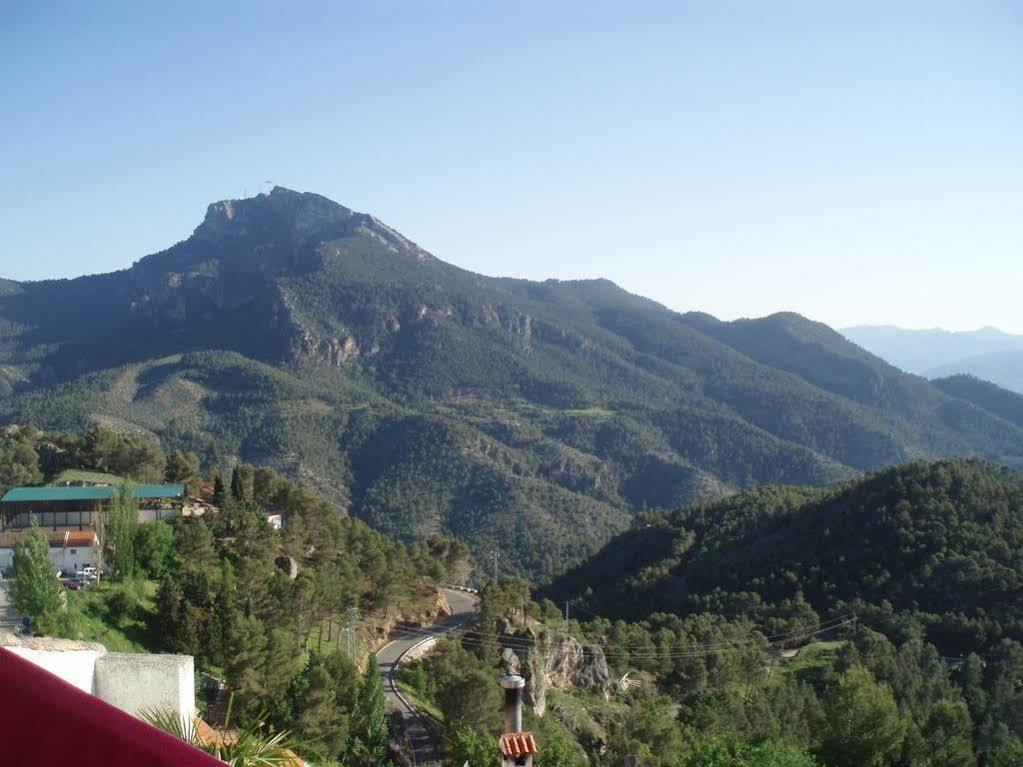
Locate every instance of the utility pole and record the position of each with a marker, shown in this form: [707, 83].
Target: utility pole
[353, 621]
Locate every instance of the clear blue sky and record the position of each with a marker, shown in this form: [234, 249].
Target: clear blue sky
[857, 162]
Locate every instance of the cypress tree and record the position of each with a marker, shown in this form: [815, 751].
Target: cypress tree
[122, 522]
[219, 494]
[237, 486]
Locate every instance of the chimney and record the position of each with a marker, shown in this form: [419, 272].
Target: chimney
[517, 747]
[513, 684]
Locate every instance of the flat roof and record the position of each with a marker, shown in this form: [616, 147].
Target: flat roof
[45, 494]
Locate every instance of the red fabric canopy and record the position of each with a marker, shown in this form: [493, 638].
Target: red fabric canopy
[46, 722]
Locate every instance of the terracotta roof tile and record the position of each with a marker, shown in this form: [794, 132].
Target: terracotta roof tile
[78, 539]
[517, 744]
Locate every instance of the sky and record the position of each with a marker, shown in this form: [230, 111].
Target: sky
[857, 162]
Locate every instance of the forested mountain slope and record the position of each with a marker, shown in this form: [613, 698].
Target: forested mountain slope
[1002, 402]
[939, 543]
[291, 331]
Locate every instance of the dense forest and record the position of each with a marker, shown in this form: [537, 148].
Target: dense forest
[262, 611]
[705, 690]
[875, 622]
[291, 332]
[1002, 402]
[935, 546]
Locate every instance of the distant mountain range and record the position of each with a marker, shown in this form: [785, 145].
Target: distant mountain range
[987, 353]
[529, 418]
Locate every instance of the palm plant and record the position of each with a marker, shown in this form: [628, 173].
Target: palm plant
[240, 747]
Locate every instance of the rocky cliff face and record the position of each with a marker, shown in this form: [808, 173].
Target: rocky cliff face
[225, 282]
[549, 660]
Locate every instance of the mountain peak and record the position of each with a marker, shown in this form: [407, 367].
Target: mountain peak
[302, 214]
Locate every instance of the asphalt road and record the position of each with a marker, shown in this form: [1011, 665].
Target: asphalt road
[424, 747]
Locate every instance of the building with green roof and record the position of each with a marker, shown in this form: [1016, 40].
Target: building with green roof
[81, 506]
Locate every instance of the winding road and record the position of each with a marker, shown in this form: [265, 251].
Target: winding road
[425, 749]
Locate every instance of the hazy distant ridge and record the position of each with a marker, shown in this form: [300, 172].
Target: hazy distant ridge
[987, 353]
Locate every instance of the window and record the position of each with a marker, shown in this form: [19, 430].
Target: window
[74, 551]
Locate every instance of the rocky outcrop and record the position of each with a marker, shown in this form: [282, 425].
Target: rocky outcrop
[552, 660]
[287, 565]
[296, 215]
[333, 351]
[380, 631]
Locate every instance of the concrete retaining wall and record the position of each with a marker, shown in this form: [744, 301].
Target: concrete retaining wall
[130, 681]
[135, 681]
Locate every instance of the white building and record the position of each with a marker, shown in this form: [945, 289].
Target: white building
[70, 550]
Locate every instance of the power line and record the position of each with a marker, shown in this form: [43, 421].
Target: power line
[655, 656]
[524, 644]
[641, 650]
[698, 650]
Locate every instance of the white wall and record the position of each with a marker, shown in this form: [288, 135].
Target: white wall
[76, 667]
[136, 681]
[67, 560]
[130, 681]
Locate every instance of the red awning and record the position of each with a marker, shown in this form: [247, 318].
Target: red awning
[46, 722]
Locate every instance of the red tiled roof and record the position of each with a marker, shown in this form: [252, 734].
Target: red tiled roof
[517, 744]
[82, 539]
[77, 539]
[212, 736]
[45, 721]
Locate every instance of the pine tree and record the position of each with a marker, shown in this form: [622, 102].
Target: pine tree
[948, 733]
[35, 590]
[183, 468]
[318, 717]
[194, 544]
[369, 720]
[225, 613]
[175, 623]
[864, 727]
[245, 662]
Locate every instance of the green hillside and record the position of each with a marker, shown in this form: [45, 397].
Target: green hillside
[534, 417]
[940, 543]
[1001, 402]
